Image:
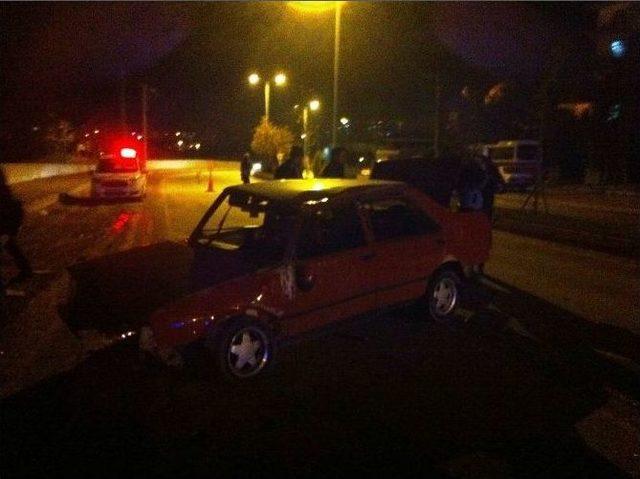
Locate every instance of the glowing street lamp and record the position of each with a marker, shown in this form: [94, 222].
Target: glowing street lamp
[280, 80]
[314, 105]
[254, 79]
[320, 7]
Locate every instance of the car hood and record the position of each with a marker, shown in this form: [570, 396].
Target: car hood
[119, 292]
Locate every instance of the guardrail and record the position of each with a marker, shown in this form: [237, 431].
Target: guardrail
[21, 172]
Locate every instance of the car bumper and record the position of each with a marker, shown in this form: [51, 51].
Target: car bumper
[116, 192]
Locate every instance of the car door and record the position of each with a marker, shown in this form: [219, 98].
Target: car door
[333, 269]
[407, 247]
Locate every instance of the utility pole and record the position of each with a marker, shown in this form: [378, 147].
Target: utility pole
[145, 94]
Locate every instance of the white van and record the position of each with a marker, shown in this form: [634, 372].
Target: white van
[518, 161]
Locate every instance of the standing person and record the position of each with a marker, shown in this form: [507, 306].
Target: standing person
[336, 167]
[245, 168]
[292, 167]
[472, 179]
[493, 183]
[11, 216]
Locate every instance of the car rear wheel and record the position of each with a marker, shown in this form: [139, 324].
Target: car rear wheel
[443, 295]
[242, 349]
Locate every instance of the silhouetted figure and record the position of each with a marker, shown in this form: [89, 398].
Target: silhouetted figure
[11, 216]
[493, 183]
[245, 168]
[470, 185]
[292, 167]
[336, 166]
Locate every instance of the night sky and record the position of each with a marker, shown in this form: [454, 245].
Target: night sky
[69, 58]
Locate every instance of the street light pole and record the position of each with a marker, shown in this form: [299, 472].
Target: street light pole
[280, 80]
[305, 123]
[336, 65]
[267, 98]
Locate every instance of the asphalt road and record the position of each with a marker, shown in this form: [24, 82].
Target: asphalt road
[539, 378]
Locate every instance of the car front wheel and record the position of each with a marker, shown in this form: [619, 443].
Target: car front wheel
[242, 349]
[443, 295]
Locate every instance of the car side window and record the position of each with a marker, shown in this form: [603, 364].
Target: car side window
[329, 231]
[393, 218]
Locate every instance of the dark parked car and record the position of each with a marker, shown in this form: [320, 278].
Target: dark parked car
[436, 178]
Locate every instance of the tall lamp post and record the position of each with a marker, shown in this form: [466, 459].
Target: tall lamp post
[336, 66]
[279, 79]
[317, 7]
[313, 105]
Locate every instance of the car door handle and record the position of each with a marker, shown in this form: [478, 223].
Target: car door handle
[367, 256]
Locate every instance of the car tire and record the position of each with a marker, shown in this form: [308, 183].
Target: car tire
[443, 295]
[242, 349]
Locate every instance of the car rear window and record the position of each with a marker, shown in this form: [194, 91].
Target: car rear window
[329, 231]
[395, 218]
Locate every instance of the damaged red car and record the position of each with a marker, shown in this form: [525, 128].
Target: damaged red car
[276, 259]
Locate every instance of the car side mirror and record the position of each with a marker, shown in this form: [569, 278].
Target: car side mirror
[304, 278]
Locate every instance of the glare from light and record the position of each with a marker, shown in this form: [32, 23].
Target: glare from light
[617, 48]
[180, 142]
[254, 79]
[314, 6]
[280, 79]
[178, 133]
[86, 135]
[95, 132]
[314, 105]
[133, 133]
[139, 137]
[255, 168]
[197, 146]
[303, 136]
[128, 153]
[361, 159]
[344, 120]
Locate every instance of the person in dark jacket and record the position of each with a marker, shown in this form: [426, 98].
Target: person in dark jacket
[336, 166]
[245, 168]
[292, 167]
[11, 216]
[493, 183]
[471, 182]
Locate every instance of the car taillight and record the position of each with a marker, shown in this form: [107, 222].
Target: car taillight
[128, 153]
